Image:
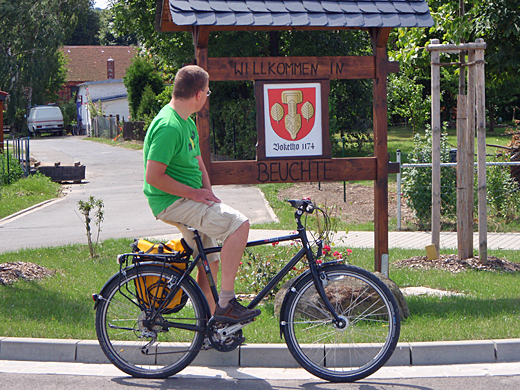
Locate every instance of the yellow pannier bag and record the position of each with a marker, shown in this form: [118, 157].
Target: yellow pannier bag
[151, 290]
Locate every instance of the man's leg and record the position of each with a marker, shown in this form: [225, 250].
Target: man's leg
[228, 309]
[231, 255]
[202, 281]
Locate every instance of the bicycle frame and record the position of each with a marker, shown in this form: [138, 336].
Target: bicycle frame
[305, 251]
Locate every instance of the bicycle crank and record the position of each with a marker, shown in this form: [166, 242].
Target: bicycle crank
[225, 337]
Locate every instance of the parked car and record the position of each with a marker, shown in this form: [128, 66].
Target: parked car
[45, 119]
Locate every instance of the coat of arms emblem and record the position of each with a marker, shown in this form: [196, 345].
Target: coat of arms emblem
[292, 112]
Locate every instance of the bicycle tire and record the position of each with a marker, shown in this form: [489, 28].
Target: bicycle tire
[351, 353]
[120, 327]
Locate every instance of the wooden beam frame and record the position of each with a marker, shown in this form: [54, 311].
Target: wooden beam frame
[379, 38]
[377, 168]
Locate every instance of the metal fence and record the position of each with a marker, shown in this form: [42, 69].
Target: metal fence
[15, 150]
[105, 127]
[426, 190]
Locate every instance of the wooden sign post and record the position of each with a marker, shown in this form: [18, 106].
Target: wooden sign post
[293, 143]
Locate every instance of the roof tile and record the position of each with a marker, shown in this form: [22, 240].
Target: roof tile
[281, 18]
[318, 19]
[408, 20]
[263, 19]
[355, 20]
[420, 7]
[199, 5]
[333, 13]
[312, 6]
[206, 18]
[219, 5]
[349, 6]
[385, 7]
[373, 20]
[336, 20]
[184, 18]
[226, 18]
[244, 18]
[89, 63]
[238, 6]
[403, 7]
[367, 7]
[300, 19]
[275, 6]
[390, 19]
[256, 6]
[423, 20]
[331, 6]
[181, 5]
[294, 6]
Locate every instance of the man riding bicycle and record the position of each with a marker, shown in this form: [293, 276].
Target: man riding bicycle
[179, 192]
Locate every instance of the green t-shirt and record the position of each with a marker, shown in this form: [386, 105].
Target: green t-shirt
[173, 141]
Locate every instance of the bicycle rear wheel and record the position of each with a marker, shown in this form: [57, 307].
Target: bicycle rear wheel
[341, 354]
[137, 338]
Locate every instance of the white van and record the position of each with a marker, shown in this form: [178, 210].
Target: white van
[45, 119]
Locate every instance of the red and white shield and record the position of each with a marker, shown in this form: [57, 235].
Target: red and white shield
[292, 111]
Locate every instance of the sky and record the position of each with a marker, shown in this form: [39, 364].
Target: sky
[101, 4]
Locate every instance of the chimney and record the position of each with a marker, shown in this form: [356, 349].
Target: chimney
[111, 69]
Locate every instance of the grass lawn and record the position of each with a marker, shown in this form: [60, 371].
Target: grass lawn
[26, 192]
[61, 306]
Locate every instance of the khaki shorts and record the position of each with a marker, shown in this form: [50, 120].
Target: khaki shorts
[215, 222]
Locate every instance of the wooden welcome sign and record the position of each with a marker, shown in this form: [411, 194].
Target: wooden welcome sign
[293, 119]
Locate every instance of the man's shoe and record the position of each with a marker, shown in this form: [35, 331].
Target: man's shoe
[234, 312]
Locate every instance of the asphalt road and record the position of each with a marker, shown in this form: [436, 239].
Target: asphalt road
[114, 175]
[53, 382]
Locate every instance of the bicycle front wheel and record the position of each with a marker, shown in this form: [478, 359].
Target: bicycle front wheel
[348, 353]
[141, 340]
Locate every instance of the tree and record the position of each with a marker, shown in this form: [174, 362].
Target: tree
[139, 75]
[32, 66]
[108, 36]
[87, 28]
[497, 22]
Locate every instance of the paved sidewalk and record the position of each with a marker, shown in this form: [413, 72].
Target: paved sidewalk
[406, 240]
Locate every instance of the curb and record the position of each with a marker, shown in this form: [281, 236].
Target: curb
[269, 355]
[34, 207]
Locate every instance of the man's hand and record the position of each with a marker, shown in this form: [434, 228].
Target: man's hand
[204, 195]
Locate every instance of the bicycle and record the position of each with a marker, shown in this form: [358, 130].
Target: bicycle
[340, 322]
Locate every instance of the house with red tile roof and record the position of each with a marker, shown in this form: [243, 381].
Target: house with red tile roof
[91, 63]
[97, 72]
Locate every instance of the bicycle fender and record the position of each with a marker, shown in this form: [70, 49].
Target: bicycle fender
[159, 264]
[294, 287]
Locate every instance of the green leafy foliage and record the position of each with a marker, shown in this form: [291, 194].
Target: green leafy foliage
[502, 191]
[406, 100]
[69, 112]
[10, 169]
[417, 181]
[140, 75]
[33, 68]
[96, 207]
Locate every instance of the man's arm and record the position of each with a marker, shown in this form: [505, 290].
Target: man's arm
[206, 182]
[156, 176]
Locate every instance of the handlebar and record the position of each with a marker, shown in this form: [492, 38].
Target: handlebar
[304, 205]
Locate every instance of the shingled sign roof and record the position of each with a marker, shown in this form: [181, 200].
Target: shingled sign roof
[301, 13]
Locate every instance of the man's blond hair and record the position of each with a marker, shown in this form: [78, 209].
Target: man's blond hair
[188, 81]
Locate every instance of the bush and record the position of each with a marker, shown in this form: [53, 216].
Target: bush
[139, 75]
[10, 169]
[417, 182]
[502, 191]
